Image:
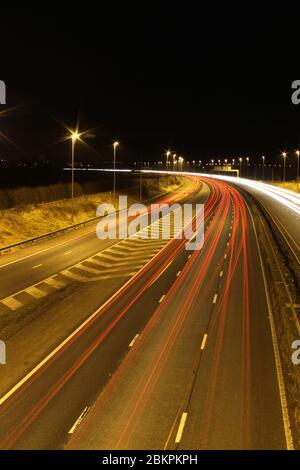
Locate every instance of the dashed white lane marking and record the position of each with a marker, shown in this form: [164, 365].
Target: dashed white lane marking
[180, 428]
[37, 266]
[221, 274]
[162, 298]
[11, 303]
[189, 256]
[35, 292]
[79, 420]
[215, 298]
[178, 274]
[68, 252]
[204, 341]
[54, 283]
[225, 256]
[134, 340]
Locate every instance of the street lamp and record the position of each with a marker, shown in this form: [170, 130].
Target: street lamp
[181, 162]
[174, 156]
[247, 159]
[298, 154]
[74, 137]
[284, 155]
[168, 153]
[263, 167]
[115, 145]
[241, 161]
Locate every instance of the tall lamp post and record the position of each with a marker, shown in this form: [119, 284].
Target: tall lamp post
[74, 137]
[241, 161]
[298, 154]
[247, 159]
[115, 145]
[174, 157]
[168, 153]
[263, 167]
[284, 155]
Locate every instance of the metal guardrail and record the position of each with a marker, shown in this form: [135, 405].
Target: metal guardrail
[65, 229]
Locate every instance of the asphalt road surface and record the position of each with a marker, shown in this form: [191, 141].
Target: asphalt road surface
[183, 357]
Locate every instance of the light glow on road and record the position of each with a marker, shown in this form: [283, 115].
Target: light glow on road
[285, 197]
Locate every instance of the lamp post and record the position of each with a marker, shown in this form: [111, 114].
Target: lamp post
[284, 155]
[115, 145]
[174, 162]
[141, 181]
[168, 153]
[298, 154]
[263, 167]
[247, 160]
[74, 137]
[241, 161]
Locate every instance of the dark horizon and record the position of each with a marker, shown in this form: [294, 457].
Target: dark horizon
[153, 78]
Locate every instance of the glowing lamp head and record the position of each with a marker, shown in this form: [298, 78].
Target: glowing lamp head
[75, 136]
[284, 154]
[298, 152]
[115, 144]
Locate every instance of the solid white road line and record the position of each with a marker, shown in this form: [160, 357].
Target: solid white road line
[134, 340]
[204, 341]
[280, 378]
[162, 298]
[79, 420]
[180, 428]
[215, 298]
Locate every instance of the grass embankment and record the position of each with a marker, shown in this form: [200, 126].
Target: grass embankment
[22, 221]
[290, 185]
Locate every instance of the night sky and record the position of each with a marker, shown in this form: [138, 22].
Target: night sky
[205, 85]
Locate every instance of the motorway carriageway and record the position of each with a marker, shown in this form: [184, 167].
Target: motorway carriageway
[185, 356]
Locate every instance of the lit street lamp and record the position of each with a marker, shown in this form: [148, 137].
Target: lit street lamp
[174, 162]
[284, 155]
[298, 154]
[115, 145]
[168, 153]
[263, 167]
[74, 137]
[241, 161]
[181, 162]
